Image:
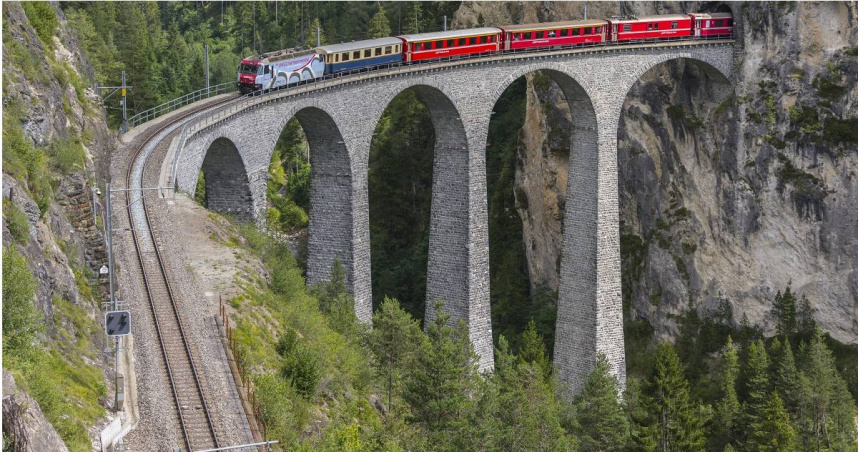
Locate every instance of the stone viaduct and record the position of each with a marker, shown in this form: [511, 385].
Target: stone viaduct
[339, 119]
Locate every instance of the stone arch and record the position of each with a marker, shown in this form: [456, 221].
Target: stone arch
[449, 259]
[227, 187]
[581, 324]
[331, 219]
[718, 69]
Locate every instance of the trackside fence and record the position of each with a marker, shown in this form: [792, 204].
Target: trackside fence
[245, 383]
[179, 102]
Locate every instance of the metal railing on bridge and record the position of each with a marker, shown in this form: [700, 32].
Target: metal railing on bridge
[179, 102]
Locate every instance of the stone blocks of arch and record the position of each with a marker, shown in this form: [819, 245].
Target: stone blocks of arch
[339, 123]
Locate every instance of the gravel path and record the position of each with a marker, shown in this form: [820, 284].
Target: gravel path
[157, 428]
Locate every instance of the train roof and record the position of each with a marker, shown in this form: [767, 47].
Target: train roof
[358, 45]
[271, 57]
[712, 15]
[451, 34]
[650, 18]
[554, 25]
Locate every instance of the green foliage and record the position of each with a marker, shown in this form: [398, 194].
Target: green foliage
[394, 341]
[22, 160]
[677, 113]
[43, 19]
[444, 374]
[379, 26]
[773, 431]
[805, 118]
[16, 221]
[757, 388]
[21, 321]
[68, 155]
[828, 89]
[602, 425]
[533, 350]
[301, 368]
[674, 421]
[784, 309]
[840, 131]
[727, 408]
[200, 190]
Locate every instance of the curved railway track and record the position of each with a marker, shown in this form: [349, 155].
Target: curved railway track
[194, 417]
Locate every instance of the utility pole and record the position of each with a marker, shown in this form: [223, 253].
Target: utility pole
[585, 12]
[207, 70]
[445, 22]
[110, 271]
[318, 36]
[124, 105]
[276, 17]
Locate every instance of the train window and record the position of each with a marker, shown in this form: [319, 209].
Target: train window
[598, 30]
[387, 50]
[552, 34]
[729, 22]
[674, 25]
[576, 31]
[564, 32]
[649, 27]
[717, 23]
[484, 39]
[472, 41]
[367, 53]
[356, 55]
[588, 31]
[627, 27]
[528, 35]
[451, 43]
[345, 56]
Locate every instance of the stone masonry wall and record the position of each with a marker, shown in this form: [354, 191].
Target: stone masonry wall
[460, 99]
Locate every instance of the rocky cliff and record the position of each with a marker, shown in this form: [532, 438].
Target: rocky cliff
[722, 196]
[56, 145]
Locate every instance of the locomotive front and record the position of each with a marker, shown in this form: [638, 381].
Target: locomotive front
[248, 71]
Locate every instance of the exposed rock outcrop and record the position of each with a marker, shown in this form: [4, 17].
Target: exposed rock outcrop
[24, 425]
[722, 195]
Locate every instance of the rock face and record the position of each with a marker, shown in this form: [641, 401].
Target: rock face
[64, 246]
[728, 190]
[24, 425]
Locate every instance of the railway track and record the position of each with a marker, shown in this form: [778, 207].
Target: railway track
[193, 414]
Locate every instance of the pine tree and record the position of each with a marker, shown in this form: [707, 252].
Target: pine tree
[443, 376]
[773, 431]
[415, 15]
[674, 422]
[394, 341]
[379, 26]
[786, 376]
[805, 320]
[785, 311]
[533, 350]
[757, 383]
[310, 38]
[602, 424]
[727, 409]
[517, 410]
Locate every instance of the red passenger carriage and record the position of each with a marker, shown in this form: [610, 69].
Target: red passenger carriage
[650, 27]
[427, 46]
[552, 34]
[712, 24]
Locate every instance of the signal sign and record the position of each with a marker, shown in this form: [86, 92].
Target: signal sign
[117, 323]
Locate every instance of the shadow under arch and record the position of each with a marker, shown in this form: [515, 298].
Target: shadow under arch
[331, 221]
[227, 188]
[578, 322]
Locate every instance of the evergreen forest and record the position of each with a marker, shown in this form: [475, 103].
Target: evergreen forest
[325, 381]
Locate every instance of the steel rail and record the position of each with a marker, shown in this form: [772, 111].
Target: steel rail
[149, 292]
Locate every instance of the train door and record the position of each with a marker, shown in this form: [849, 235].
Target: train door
[614, 34]
[697, 28]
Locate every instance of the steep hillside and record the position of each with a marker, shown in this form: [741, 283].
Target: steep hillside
[55, 147]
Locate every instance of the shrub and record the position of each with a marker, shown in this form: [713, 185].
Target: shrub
[287, 342]
[806, 118]
[16, 219]
[68, 154]
[21, 321]
[43, 19]
[841, 131]
[303, 370]
[828, 89]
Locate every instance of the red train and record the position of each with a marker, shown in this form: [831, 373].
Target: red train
[280, 69]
